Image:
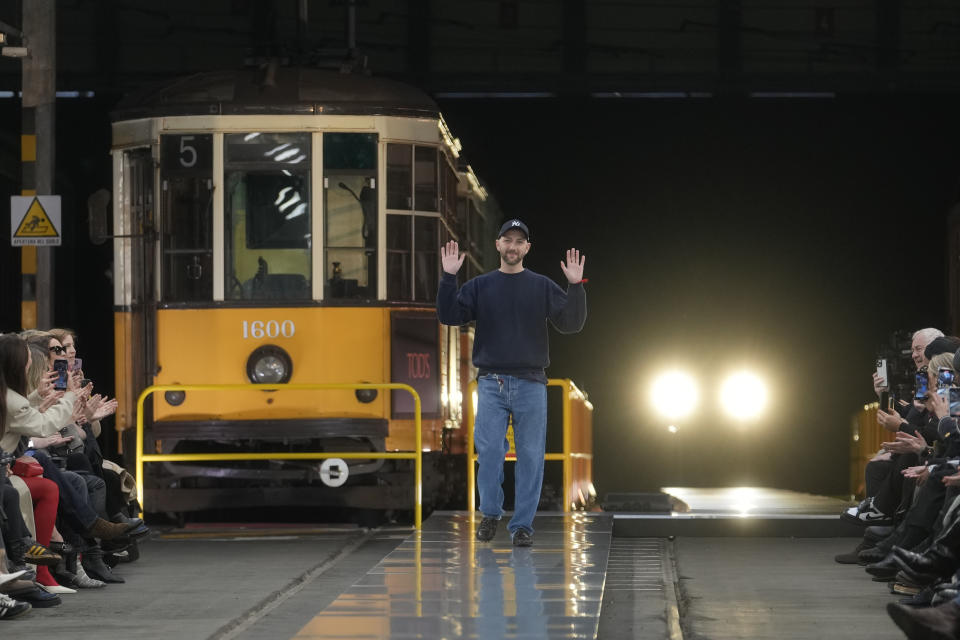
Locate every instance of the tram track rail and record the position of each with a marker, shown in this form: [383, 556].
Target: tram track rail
[236, 627]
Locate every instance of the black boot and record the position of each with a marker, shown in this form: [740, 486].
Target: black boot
[935, 561]
[66, 570]
[92, 562]
[885, 569]
[936, 622]
[885, 546]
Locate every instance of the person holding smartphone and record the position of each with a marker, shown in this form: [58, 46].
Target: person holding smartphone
[511, 307]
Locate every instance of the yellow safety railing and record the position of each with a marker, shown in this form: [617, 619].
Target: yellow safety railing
[568, 455]
[416, 456]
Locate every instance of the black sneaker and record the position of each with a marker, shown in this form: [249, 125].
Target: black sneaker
[487, 529]
[10, 608]
[522, 538]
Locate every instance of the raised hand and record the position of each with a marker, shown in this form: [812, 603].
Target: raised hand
[905, 443]
[108, 408]
[49, 400]
[451, 258]
[91, 406]
[573, 267]
[889, 420]
[45, 388]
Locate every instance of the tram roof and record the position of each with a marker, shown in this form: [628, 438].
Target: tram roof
[278, 91]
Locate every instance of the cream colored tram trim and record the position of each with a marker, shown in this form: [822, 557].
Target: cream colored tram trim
[381, 220]
[218, 230]
[391, 128]
[121, 246]
[316, 217]
[273, 123]
[157, 204]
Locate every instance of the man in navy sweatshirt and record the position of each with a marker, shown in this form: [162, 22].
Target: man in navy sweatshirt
[511, 307]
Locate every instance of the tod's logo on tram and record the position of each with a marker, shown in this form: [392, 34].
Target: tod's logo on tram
[289, 232]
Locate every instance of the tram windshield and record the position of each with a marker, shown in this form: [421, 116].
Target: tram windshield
[350, 214]
[267, 216]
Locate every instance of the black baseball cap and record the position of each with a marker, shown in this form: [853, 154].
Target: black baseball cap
[514, 224]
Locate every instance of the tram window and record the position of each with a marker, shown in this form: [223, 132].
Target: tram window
[425, 179]
[350, 215]
[187, 240]
[186, 174]
[399, 176]
[399, 247]
[425, 243]
[267, 216]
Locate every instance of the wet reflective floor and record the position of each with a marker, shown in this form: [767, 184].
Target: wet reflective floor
[442, 583]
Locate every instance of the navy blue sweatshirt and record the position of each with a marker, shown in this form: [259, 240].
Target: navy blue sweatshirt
[511, 311]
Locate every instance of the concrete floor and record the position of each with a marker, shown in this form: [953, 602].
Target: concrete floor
[268, 588]
[198, 588]
[782, 588]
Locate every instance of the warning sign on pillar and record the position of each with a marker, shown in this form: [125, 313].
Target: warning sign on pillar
[35, 220]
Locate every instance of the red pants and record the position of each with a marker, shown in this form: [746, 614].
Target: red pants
[46, 497]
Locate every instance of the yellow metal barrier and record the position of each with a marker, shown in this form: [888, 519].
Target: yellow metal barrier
[584, 445]
[416, 456]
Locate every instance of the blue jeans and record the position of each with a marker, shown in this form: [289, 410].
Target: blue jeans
[498, 397]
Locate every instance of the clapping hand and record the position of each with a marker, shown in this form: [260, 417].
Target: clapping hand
[107, 408]
[952, 481]
[921, 473]
[51, 441]
[49, 400]
[889, 420]
[905, 443]
[91, 406]
[451, 258]
[573, 267]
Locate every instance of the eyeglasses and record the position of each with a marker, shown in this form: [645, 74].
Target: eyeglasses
[58, 350]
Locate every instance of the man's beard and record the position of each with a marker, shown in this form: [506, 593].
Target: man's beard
[511, 257]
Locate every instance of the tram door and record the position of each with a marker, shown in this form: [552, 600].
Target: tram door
[136, 347]
[350, 215]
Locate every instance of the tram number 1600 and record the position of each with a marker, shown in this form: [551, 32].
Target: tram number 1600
[268, 329]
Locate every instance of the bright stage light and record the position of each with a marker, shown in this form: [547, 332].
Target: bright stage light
[674, 394]
[744, 395]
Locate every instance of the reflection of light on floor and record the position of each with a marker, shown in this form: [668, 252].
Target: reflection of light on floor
[740, 501]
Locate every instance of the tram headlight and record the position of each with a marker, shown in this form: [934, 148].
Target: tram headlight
[269, 364]
[674, 394]
[744, 395]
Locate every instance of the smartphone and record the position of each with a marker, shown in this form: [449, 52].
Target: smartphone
[84, 382]
[882, 370]
[954, 402]
[60, 366]
[923, 384]
[945, 377]
[77, 364]
[886, 401]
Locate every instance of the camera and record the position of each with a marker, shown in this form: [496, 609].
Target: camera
[923, 385]
[60, 366]
[954, 398]
[899, 364]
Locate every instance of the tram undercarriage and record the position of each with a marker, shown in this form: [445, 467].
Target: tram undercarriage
[369, 484]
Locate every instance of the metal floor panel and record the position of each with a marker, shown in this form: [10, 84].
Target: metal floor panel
[442, 583]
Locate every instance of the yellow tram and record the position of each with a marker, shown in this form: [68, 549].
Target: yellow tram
[282, 225]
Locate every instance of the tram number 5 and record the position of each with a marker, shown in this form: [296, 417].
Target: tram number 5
[188, 153]
[258, 329]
